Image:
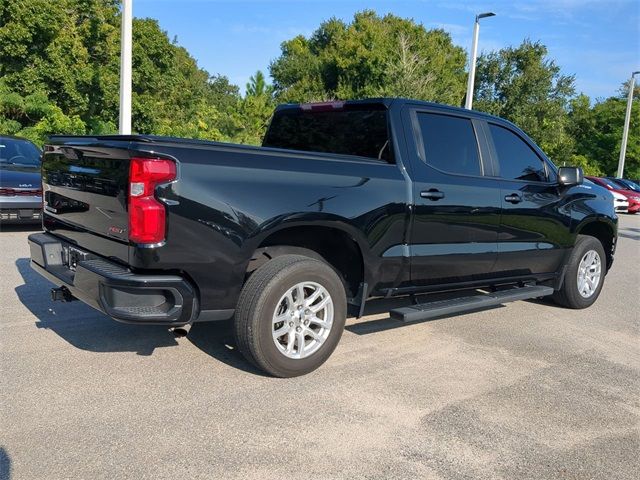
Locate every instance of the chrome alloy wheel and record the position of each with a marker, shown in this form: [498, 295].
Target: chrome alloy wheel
[302, 320]
[589, 272]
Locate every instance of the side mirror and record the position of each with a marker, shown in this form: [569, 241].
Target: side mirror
[570, 176]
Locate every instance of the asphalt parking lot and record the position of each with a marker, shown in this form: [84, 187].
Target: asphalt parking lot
[528, 390]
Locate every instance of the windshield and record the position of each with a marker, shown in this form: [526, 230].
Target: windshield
[609, 183]
[14, 151]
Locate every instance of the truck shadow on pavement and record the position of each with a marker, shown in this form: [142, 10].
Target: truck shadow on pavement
[5, 465]
[216, 339]
[87, 329]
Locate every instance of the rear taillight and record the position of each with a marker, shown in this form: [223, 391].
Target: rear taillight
[23, 192]
[147, 216]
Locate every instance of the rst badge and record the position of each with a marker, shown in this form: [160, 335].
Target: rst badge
[115, 230]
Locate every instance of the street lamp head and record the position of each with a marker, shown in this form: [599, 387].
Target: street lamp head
[635, 73]
[484, 15]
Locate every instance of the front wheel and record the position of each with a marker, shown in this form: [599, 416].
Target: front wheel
[584, 276]
[290, 315]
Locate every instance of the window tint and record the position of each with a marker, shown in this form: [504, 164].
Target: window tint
[355, 130]
[449, 143]
[517, 160]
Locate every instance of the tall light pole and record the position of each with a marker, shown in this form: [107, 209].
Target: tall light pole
[625, 130]
[472, 64]
[125, 69]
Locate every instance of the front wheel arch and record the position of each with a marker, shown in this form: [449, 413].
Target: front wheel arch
[568, 295]
[604, 233]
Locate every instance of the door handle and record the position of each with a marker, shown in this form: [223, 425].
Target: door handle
[513, 198]
[432, 194]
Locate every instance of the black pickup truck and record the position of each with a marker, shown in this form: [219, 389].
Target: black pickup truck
[344, 201]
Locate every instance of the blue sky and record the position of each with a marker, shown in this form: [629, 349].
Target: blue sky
[597, 41]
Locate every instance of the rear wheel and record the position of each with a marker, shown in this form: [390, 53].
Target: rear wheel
[290, 315]
[584, 276]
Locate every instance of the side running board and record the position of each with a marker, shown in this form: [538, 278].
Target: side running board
[441, 308]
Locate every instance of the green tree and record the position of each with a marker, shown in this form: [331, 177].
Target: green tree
[35, 110]
[59, 73]
[524, 86]
[61, 49]
[253, 112]
[223, 93]
[589, 166]
[598, 132]
[257, 85]
[172, 96]
[66, 54]
[371, 56]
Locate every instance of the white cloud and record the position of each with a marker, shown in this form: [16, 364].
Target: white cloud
[452, 28]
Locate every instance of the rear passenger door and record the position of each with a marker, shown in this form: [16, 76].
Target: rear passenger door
[534, 226]
[455, 221]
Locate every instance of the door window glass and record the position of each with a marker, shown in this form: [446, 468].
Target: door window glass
[517, 160]
[450, 143]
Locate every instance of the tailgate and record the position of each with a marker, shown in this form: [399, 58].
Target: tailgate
[85, 196]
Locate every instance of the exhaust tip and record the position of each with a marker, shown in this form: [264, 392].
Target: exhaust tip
[181, 331]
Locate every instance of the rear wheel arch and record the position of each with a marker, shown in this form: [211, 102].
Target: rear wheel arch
[332, 245]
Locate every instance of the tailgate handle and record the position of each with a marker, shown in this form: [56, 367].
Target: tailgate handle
[432, 194]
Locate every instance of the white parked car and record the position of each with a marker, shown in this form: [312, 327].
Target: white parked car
[620, 202]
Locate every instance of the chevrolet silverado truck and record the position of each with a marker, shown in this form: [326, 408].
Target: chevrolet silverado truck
[344, 201]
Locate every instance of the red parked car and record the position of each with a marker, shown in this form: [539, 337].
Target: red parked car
[632, 196]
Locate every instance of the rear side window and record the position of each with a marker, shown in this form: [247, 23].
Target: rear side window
[352, 131]
[449, 143]
[517, 160]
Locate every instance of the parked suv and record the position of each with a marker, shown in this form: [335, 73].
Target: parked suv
[343, 202]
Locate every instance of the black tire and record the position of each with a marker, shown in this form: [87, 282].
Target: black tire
[258, 302]
[569, 296]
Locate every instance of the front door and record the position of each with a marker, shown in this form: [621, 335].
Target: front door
[534, 226]
[455, 220]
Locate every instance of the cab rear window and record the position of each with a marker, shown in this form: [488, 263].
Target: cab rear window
[360, 131]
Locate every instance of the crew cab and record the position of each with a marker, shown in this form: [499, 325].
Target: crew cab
[343, 202]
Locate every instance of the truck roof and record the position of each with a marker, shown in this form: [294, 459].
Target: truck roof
[387, 102]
